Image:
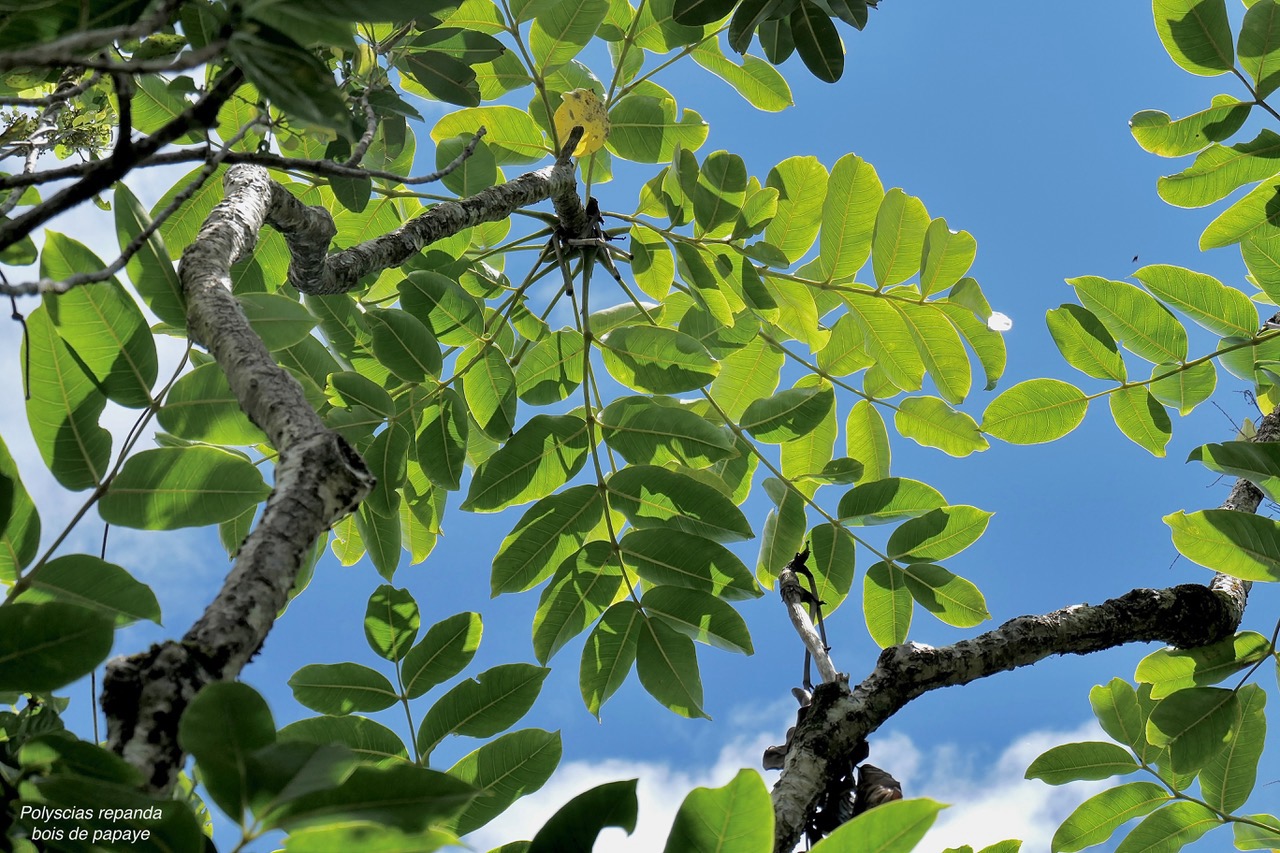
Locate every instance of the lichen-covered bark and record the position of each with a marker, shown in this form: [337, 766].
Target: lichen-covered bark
[319, 478]
[841, 717]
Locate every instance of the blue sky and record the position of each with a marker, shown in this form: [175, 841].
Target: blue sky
[1011, 121]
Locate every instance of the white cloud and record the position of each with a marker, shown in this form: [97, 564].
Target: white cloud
[990, 801]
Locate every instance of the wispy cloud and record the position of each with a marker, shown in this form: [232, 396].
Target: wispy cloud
[990, 801]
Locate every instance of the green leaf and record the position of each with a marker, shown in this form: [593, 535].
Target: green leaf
[1194, 724]
[1259, 462]
[1196, 34]
[1256, 216]
[1094, 820]
[280, 321]
[783, 533]
[391, 622]
[720, 190]
[404, 345]
[551, 369]
[350, 389]
[940, 349]
[931, 422]
[1141, 418]
[582, 588]
[693, 13]
[1185, 388]
[650, 496]
[444, 651]
[503, 771]
[789, 414]
[1259, 46]
[150, 270]
[1169, 670]
[221, 728]
[1239, 544]
[609, 652]
[64, 407]
[1072, 762]
[421, 798]
[937, 534]
[201, 407]
[489, 388]
[886, 604]
[444, 77]
[442, 439]
[340, 688]
[746, 375]
[675, 558]
[1220, 170]
[867, 440]
[1116, 706]
[388, 462]
[101, 324]
[657, 360]
[1085, 343]
[46, 646]
[1249, 837]
[832, 563]
[288, 75]
[1222, 310]
[887, 339]
[899, 239]
[561, 30]
[1156, 133]
[645, 129]
[381, 535]
[1035, 412]
[1171, 828]
[755, 80]
[1228, 779]
[370, 741]
[548, 532]
[700, 616]
[888, 828]
[668, 668]
[454, 316]
[172, 487]
[817, 42]
[482, 706]
[947, 256]
[20, 540]
[801, 183]
[849, 211]
[541, 457]
[511, 135]
[93, 584]
[951, 598]
[649, 430]
[886, 500]
[576, 824]
[1140, 323]
[734, 817]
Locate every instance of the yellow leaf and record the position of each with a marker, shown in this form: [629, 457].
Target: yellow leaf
[583, 107]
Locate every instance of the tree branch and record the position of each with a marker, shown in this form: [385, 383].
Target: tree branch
[841, 717]
[319, 479]
[308, 230]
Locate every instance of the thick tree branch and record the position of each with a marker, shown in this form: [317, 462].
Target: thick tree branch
[318, 477]
[318, 480]
[308, 230]
[841, 717]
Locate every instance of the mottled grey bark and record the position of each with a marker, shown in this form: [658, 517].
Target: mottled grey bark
[841, 717]
[319, 478]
